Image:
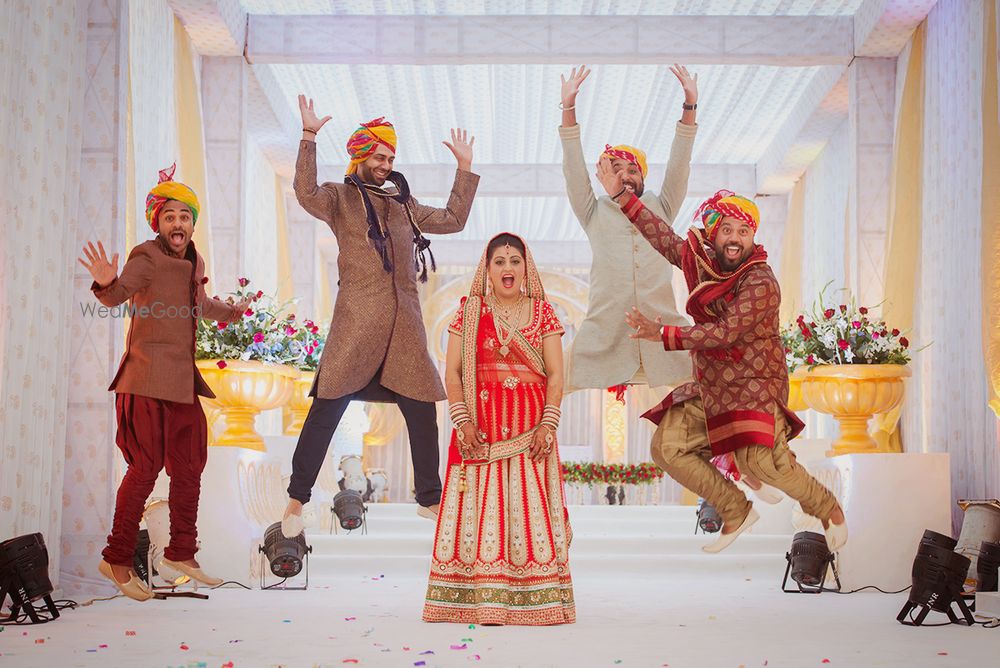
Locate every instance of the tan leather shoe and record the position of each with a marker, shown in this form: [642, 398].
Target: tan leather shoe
[726, 539]
[134, 588]
[193, 573]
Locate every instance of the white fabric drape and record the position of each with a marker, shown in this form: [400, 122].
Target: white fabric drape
[41, 75]
[946, 408]
[260, 234]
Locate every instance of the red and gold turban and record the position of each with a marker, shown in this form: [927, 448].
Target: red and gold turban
[726, 203]
[629, 153]
[168, 189]
[366, 139]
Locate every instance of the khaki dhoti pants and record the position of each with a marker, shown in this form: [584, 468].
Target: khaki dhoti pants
[681, 448]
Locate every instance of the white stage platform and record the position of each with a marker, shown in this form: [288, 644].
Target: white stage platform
[646, 596]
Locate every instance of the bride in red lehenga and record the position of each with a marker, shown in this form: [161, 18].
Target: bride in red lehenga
[502, 542]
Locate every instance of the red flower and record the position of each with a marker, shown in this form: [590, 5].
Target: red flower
[843, 308]
[248, 312]
[895, 332]
[258, 337]
[204, 280]
[260, 293]
[244, 282]
[843, 345]
[222, 325]
[863, 310]
[221, 364]
[829, 313]
[904, 342]
[811, 359]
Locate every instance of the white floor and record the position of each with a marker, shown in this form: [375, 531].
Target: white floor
[645, 595]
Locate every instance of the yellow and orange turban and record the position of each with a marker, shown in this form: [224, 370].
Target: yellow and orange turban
[630, 153]
[363, 142]
[726, 203]
[168, 189]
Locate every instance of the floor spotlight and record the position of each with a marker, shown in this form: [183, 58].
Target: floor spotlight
[809, 559]
[709, 520]
[938, 576]
[349, 507]
[989, 564]
[24, 576]
[285, 556]
[162, 581]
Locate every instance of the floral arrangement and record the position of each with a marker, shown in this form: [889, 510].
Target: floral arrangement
[842, 334]
[263, 334]
[589, 473]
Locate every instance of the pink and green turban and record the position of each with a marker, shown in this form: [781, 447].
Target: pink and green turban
[726, 203]
[363, 142]
[168, 189]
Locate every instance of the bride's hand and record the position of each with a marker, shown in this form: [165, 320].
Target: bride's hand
[543, 443]
[468, 440]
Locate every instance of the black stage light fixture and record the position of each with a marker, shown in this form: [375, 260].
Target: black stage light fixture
[140, 558]
[24, 576]
[285, 556]
[809, 559]
[709, 520]
[938, 576]
[349, 507]
[989, 564]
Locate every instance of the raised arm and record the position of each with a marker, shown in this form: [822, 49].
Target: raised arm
[675, 180]
[581, 195]
[110, 288]
[453, 217]
[656, 230]
[318, 200]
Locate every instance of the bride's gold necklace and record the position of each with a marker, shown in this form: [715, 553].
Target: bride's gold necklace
[504, 315]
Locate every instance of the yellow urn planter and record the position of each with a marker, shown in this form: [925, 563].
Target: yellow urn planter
[852, 394]
[795, 401]
[295, 411]
[242, 390]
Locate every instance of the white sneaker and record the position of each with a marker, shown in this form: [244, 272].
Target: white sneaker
[726, 539]
[836, 535]
[292, 526]
[768, 494]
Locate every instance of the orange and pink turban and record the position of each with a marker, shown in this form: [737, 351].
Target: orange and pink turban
[363, 142]
[168, 189]
[726, 203]
[629, 153]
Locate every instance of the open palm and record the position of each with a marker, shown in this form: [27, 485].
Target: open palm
[461, 147]
[103, 270]
[310, 121]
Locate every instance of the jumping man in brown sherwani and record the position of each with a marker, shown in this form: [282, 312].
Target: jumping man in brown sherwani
[377, 347]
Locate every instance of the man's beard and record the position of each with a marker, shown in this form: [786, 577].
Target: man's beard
[728, 265]
[368, 176]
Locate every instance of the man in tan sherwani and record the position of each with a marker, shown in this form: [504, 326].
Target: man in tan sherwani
[377, 347]
[626, 271]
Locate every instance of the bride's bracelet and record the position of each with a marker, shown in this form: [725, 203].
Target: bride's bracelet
[459, 413]
[551, 416]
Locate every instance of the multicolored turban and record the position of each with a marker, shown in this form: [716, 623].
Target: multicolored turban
[629, 153]
[168, 189]
[726, 203]
[366, 139]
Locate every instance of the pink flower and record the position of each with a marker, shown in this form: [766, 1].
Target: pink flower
[308, 324]
[843, 345]
[223, 325]
[289, 330]
[258, 337]
[260, 293]
[811, 359]
[875, 335]
[244, 282]
[221, 364]
[856, 324]
[248, 312]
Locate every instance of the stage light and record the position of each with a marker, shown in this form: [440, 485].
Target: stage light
[938, 576]
[350, 509]
[24, 576]
[989, 563]
[808, 561]
[980, 523]
[157, 518]
[709, 520]
[284, 555]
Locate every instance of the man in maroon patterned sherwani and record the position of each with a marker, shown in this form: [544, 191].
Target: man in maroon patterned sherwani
[737, 405]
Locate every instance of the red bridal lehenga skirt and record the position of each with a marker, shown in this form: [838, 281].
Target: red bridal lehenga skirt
[501, 550]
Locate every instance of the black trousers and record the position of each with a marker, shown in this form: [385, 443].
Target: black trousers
[321, 423]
